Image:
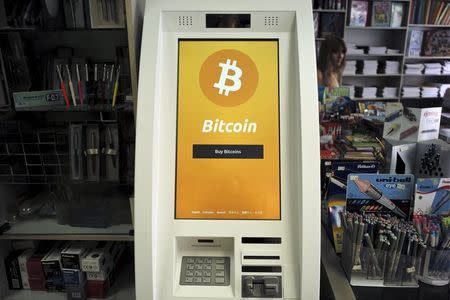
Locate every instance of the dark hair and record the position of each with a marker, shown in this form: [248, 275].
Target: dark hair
[330, 45]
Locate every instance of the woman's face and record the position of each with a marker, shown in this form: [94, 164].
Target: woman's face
[337, 58]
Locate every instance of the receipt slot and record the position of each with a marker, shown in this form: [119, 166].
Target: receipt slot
[227, 196]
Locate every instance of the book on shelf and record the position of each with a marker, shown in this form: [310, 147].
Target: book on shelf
[436, 42]
[397, 12]
[415, 42]
[316, 24]
[329, 4]
[381, 13]
[331, 24]
[435, 12]
[358, 13]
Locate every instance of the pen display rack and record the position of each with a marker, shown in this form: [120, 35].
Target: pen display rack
[401, 270]
[29, 155]
[363, 265]
[435, 267]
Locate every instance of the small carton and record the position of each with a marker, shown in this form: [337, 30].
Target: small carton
[23, 259]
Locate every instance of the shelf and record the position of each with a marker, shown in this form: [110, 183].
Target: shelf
[49, 229]
[429, 25]
[123, 288]
[426, 75]
[34, 29]
[374, 28]
[375, 99]
[375, 55]
[342, 11]
[427, 57]
[79, 108]
[371, 75]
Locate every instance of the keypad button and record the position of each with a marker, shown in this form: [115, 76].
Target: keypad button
[220, 280]
[208, 260]
[189, 273]
[220, 274]
[220, 261]
[199, 267]
[220, 267]
[190, 260]
[207, 267]
[197, 279]
[206, 280]
[207, 273]
[198, 273]
[189, 279]
[190, 267]
[199, 260]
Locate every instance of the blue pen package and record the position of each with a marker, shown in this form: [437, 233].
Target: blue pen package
[380, 194]
[432, 196]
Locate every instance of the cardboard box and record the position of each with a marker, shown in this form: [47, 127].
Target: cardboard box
[397, 188]
[13, 271]
[432, 196]
[72, 255]
[98, 258]
[23, 259]
[400, 157]
[411, 124]
[36, 276]
[76, 292]
[73, 277]
[51, 265]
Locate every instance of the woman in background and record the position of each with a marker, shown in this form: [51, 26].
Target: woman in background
[331, 62]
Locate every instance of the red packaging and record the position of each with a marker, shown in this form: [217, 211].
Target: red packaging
[35, 273]
[98, 289]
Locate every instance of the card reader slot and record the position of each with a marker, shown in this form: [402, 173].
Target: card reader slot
[261, 269]
[261, 240]
[275, 257]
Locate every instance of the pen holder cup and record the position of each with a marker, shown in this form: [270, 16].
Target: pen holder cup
[435, 267]
[364, 266]
[401, 270]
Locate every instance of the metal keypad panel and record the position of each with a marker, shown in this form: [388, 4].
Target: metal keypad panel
[205, 270]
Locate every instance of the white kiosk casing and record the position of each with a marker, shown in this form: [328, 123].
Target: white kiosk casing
[291, 242]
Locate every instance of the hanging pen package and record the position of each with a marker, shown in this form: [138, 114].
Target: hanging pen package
[92, 152]
[76, 151]
[111, 152]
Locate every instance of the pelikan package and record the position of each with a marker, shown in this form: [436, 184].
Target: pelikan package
[432, 196]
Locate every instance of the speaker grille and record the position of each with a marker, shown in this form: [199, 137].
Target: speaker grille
[271, 21]
[185, 20]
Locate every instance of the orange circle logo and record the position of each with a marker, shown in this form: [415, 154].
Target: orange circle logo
[228, 77]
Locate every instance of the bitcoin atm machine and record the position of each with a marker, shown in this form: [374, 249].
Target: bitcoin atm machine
[227, 195]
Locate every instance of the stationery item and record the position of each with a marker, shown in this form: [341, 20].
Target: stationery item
[74, 13]
[76, 153]
[415, 42]
[367, 188]
[63, 86]
[80, 87]
[72, 92]
[92, 152]
[116, 87]
[95, 84]
[433, 159]
[111, 151]
[400, 157]
[107, 13]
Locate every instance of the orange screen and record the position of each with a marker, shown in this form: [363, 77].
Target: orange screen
[228, 150]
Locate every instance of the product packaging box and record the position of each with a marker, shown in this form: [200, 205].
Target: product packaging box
[335, 195]
[411, 124]
[380, 194]
[36, 276]
[72, 255]
[77, 292]
[433, 159]
[97, 258]
[51, 265]
[23, 259]
[400, 157]
[73, 277]
[432, 196]
[13, 271]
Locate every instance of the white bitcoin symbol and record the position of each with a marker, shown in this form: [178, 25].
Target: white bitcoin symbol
[221, 85]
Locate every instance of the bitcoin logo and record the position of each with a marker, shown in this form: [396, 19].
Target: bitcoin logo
[221, 85]
[228, 77]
